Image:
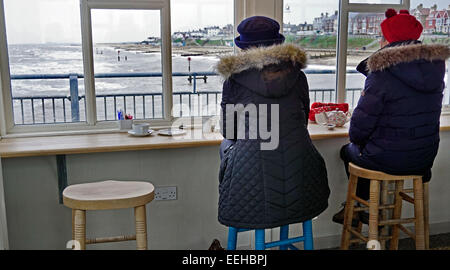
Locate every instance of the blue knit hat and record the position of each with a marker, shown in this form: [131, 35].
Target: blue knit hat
[258, 31]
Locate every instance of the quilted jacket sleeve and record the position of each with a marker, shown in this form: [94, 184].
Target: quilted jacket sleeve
[228, 97]
[304, 95]
[367, 112]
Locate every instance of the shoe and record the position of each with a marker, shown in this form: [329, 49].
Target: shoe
[364, 217]
[339, 217]
[216, 245]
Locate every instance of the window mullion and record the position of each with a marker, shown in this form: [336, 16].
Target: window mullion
[6, 117]
[88, 62]
[341, 49]
[166, 58]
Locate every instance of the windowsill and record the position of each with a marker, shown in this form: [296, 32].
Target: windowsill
[120, 141]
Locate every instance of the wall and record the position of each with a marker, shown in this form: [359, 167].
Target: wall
[37, 221]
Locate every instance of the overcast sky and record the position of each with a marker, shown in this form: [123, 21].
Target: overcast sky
[41, 21]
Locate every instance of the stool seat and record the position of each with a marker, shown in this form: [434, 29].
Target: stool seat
[371, 174]
[108, 195]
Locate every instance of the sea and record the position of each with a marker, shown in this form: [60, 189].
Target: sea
[35, 59]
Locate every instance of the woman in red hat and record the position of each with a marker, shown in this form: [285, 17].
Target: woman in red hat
[395, 126]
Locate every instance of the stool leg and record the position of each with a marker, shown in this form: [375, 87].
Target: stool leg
[260, 239]
[348, 214]
[79, 228]
[232, 238]
[308, 234]
[284, 235]
[141, 227]
[374, 196]
[384, 212]
[396, 215]
[418, 211]
[426, 215]
[73, 224]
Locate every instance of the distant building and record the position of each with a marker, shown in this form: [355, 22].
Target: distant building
[421, 13]
[227, 30]
[318, 23]
[326, 24]
[366, 24]
[212, 31]
[305, 29]
[443, 21]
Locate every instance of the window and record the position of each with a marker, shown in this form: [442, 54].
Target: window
[74, 74]
[202, 31]
[313, 26]
[363, 40]
[155, 58]
[45, 55]
[357, 40]
[425, 10]
[127, 63]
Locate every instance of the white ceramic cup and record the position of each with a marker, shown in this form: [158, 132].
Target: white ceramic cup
[141, 128]
[322, 118]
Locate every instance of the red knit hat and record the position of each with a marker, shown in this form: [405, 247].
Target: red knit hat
[401, 26]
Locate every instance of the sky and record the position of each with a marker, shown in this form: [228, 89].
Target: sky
[44, 21]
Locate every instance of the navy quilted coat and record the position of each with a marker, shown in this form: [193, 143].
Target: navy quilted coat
[270, 188]
[396, 121]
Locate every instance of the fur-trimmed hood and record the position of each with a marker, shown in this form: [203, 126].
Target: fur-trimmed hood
[260, 57]
[404, 54]
[421, 67]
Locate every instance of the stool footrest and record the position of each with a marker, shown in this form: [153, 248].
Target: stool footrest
[389, 206]
[358, 199]
[408, 232]
[111, 239]
[406, 197]
[406, 190]
[358, 234]
[396, 221]
[284, 242]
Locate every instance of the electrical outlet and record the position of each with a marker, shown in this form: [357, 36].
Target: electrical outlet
[165, 193]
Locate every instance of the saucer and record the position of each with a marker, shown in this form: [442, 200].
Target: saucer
[131, 132]
[171, 132]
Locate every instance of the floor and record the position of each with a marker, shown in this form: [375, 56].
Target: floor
[437, 242]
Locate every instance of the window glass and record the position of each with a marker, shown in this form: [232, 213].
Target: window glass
[127, 63]
[435, 17]
[313, 25]
[202, 31]
[46, 62]
[364, 36]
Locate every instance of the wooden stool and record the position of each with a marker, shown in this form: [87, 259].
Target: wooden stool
[420, 202]
[105, 196]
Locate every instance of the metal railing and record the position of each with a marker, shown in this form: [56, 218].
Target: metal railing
[57, 108]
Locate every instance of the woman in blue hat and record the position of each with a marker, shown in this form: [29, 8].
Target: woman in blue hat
[266, 188]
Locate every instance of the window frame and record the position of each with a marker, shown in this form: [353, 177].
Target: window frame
[91, 125]
[242, 9]
[345, 8]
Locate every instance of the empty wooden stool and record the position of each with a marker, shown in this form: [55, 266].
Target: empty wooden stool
[420, 202]
[105, 196]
